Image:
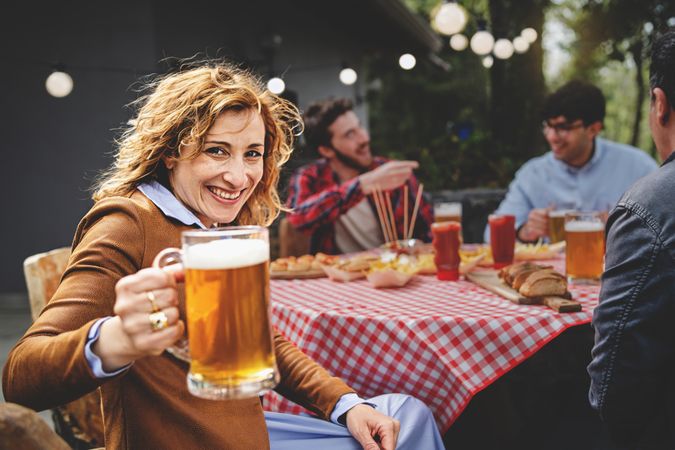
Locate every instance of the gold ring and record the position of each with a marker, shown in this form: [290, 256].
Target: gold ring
[152, 299]
[158, 321]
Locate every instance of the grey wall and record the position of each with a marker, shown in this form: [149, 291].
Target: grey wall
[52, 148]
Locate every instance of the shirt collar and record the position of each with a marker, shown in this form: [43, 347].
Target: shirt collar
[669, 158]
[168, 203]
[598, 152]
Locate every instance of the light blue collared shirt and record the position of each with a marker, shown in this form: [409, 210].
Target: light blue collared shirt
[597, 186]
[172, 207]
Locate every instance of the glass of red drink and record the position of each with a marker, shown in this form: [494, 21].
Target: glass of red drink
[502, 239]
[446, 242]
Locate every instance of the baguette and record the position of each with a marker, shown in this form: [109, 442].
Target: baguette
[544, 283]
[534, 280]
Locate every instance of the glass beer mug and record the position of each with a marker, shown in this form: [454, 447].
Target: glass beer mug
[585, 253]
[227, 308]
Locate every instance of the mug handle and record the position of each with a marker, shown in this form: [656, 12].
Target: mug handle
[167, 257]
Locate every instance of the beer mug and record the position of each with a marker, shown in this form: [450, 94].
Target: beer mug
[585, 233]
[556, 222]
[227, 308]
[448, 212]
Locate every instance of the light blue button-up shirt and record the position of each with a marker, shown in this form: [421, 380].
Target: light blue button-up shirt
[597, 186]
[172, 207]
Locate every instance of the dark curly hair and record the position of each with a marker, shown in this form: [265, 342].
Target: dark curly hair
[662, 69]
[576, 100]
[319, 116]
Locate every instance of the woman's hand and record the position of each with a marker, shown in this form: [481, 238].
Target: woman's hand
[364, 423]
[130, 334]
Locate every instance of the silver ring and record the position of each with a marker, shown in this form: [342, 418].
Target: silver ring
[158, 321]
[152, 299]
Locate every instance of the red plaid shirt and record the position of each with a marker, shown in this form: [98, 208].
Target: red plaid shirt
[318, 199]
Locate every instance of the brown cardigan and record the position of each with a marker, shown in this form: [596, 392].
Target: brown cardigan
[147, 406]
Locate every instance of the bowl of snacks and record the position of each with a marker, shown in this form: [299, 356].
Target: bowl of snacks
[391, 270]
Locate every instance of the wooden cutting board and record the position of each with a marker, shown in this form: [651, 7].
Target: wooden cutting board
[297, 275]
[488, 279]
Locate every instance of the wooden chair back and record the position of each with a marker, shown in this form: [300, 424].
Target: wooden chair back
[79, 422]
[291, 241]
[24, 429]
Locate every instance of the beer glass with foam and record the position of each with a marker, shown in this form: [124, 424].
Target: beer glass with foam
[227, 309]
[448, 212]
[585, 234]
[556, 222]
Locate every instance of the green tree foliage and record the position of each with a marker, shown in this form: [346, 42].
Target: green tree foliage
[618, 33]
[468, 126]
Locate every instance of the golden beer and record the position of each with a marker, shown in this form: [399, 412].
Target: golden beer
[448, 212]
[227, 308]
[556, 225]
[585, 249]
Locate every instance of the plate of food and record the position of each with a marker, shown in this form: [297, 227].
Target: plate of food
[348, 269]
[301, 267]
[533, 252]
[391, 270]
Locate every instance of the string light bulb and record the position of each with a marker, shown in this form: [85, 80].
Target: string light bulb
[276, 85]
[459, 42]
[520, 44]
[503, 49]
[407, 61]
[530, 34]
[488, 61]
[59, 84]
[482, 42]
[348, 76]
[449, 18]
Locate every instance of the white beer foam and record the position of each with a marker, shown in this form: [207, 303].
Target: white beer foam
[227, 254]
[559, 213]
[583, 226]
[448, 209]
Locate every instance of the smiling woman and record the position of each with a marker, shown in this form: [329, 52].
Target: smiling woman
[186, 110]
[219, 181]
[205, 149]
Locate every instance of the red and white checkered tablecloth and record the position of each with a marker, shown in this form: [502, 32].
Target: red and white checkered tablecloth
[440, 341]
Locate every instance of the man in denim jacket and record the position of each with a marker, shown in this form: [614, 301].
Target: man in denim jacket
[633, 367]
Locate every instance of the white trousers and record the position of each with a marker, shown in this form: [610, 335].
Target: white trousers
[418, 429]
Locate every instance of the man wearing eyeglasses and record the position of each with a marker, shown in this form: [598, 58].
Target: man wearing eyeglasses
[582, 171]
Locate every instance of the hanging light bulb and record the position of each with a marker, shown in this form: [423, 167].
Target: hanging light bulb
[482, 42]
[59, 84]
[520, 44]
[276, 85]
[503, 49]
[488, 61]
[348, 76]
[459, 42]
[530, 34]
[407, 61]
[449, 18]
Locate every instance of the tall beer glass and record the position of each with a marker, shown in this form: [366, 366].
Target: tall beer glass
[448, 212]
[227, 308]
[556, 222]
[585, 233]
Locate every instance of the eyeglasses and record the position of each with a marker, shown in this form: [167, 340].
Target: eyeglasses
[560, 129]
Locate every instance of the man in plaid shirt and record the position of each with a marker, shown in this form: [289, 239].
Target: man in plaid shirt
[330, 197]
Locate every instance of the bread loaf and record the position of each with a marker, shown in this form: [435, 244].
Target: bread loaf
[542, 283]
[534, 280]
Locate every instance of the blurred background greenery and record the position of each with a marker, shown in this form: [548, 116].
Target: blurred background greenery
[470, 126]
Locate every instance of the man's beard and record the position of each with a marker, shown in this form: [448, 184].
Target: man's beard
[350, 162]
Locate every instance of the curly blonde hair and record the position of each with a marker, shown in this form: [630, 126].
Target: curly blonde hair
[173, 119]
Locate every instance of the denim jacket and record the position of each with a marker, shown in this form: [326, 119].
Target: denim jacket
[633, 366]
